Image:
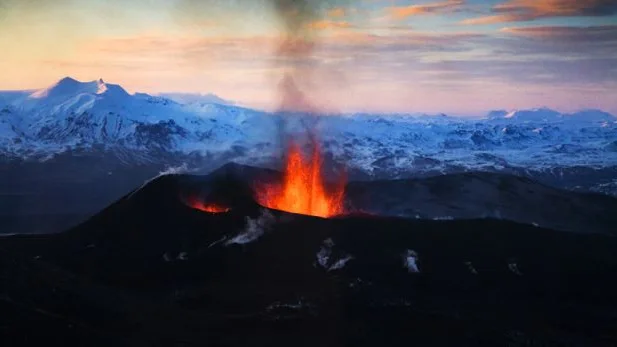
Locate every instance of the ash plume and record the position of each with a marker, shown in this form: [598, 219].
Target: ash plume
[295, 51]
[294, 54]
[299, 38]
[296, 48]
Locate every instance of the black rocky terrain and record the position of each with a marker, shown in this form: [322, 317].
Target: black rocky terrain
[63, 191]
[151, 271]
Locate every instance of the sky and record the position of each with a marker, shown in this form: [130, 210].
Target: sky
[462, 57]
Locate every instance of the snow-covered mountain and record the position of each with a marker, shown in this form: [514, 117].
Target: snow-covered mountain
[590, 115]
[193, 98]
[73, 115]
[533, 115]
[547, 115]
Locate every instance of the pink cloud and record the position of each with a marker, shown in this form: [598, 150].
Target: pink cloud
[402, 12]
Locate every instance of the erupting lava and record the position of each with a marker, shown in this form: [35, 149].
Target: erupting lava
[303, 190]
[210, 208]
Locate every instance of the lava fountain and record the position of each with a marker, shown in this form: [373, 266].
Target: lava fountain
[206, 207]
[303, 189]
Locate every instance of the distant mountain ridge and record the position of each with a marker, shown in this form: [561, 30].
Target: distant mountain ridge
[548, 115]
[191, 98]
[71, 115]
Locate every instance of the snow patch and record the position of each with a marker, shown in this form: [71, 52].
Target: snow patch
[288, 309]
[294, 306]
[444, 218]
[514, 268]
[471, 268]
[358, 282]
[181, 256]
[172, 170]
[324, 255]
[340, 263]
[410, 261]
[217, 242]
[254, 229]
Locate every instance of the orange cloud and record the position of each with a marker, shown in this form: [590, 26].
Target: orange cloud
[544, 31]
[403, 12]
[527, 10]
[499, 18]
[326, 24]
[337, 12]
[169, 50]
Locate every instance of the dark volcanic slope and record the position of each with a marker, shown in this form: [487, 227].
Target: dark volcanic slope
[468, 196]
[151, 271]
[57, 202]
[487, 195]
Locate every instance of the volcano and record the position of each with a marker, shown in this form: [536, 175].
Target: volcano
[157, 269]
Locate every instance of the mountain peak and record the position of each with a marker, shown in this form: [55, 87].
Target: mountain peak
[69, 87]
[66, 80]
[101, 86]
[110, 89]
[534, 114]
[66, 85]
[496, 114]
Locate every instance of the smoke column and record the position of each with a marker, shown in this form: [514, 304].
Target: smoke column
[295, 50]
[294, 53]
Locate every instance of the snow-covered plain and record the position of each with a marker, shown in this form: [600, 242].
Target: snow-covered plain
[72, 115]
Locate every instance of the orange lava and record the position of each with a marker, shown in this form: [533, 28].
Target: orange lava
[210, 208]
[303, 190]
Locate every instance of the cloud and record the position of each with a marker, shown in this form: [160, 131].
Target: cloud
[335, 47]
[501, 18]
[560, 41]
[150, 62]
[512, 62]
[401, 42]
[553, 72]
[555, 56]
[601, 32]
[337, 12]
[402, 12]
[174, 45]
[326, 24]
[528, 10]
